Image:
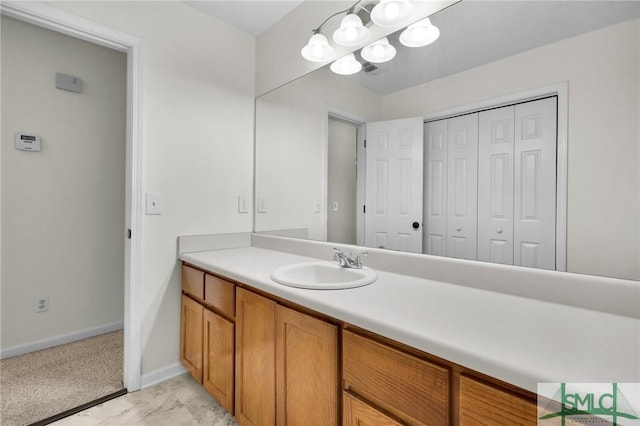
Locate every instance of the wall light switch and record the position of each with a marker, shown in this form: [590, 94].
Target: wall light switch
[262, 205]
[335, 206]
[316, 206]
[153, 203]
[242, 205]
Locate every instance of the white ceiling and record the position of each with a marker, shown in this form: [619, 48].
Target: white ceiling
[250, 16]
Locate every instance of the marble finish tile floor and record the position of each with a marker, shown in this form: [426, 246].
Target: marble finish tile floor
[178, 401]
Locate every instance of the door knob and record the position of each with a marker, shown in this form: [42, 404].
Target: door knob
[499, 230]
[415, 225]
[459, 229]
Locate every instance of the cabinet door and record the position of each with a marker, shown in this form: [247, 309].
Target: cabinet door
[191, 337]
[217, 373]
[482, 404]
[357, 413]
[307, 370]
[255, 359]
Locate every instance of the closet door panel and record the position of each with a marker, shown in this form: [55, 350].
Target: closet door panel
[462, 190]
[535, 181]
[495, 185]
[435, 188]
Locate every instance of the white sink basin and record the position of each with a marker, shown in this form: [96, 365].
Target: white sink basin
[322, 276]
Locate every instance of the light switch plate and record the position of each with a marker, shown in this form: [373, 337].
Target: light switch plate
[316, 206]
[242, 205]
[262, 205]
[153, 203]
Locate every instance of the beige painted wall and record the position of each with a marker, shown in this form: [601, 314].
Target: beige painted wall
[63, 207]
[603, 73]
[291, 129]
[198, 99]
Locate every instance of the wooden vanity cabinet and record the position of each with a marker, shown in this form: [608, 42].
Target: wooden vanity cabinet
[286, 365]
[272, 363]
[207, 336]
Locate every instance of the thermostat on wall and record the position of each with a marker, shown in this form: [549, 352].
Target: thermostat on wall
[27, 142]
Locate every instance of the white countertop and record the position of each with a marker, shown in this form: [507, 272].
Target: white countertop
[518, 340]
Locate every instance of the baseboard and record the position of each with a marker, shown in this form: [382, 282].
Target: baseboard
[60, 340]
[161, 374]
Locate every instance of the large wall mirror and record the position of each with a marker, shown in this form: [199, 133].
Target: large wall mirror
[513, 138]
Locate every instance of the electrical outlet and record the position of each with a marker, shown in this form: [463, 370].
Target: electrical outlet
[42, 304]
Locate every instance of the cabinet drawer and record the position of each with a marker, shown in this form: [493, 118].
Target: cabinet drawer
[220, 294]
[483, 404]
[408, 387]
[193, 282]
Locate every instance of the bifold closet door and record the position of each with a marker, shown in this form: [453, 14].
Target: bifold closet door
[462, 187]
[435, 188]
[495, 185]
[535, 182]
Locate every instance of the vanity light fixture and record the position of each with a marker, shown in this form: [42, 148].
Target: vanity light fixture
[351, 32]
[346, 65]
[420, 34]
[317, 49]
[378, 51]
[389, 13]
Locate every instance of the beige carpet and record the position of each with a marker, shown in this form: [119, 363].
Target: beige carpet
[41, 384]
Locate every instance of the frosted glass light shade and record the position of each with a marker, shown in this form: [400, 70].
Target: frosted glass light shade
[318, 49]
[346, 65]
[420, 34]
[351, 31]
[389, 13]
[378, 51]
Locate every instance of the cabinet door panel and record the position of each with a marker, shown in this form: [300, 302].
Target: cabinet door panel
[307, 370]
[191, 337]
[482, 404]
[255, 359]
[357, 413]
[218, 372]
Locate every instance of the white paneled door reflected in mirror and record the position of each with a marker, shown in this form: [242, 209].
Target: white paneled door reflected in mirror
[528, 137]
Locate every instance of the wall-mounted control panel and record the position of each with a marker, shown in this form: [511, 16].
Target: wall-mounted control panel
[27, 142]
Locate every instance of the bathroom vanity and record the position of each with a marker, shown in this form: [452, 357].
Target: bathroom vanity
[402, 350]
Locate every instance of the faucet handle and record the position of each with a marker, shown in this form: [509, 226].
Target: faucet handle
[358, 261]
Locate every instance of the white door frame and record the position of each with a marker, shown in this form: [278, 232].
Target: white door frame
[561, 90]
[57, 20]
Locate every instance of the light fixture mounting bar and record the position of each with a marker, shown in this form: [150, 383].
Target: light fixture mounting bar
[317, 30]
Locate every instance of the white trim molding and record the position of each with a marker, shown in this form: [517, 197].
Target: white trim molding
[162, 374]
[57, 20]
[60, 340]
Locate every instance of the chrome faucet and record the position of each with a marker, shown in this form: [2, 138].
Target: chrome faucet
[346, 261]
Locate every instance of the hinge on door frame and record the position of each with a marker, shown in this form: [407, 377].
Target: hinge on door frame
[365, 143]
[129, 233]
[364, 208]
